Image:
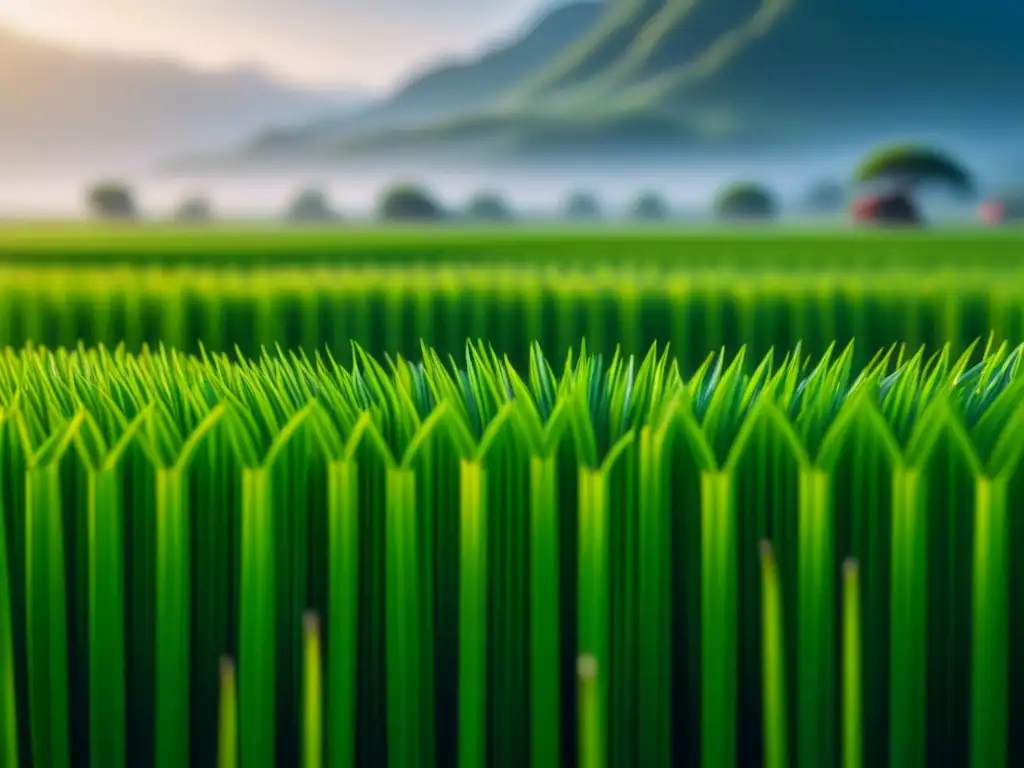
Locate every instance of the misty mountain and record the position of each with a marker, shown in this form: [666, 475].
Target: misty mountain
[784, 61]
[456, 87]
[60, 106]
[646, 78]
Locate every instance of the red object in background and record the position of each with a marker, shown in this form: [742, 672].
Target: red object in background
[992, 212]
[865, 208]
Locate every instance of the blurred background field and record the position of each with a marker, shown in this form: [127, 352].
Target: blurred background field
[391, 290]
[669, 245]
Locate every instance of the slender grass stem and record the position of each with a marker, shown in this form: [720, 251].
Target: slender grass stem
[590, 738]
[107, 714]
[909, 619]
[593, 587]
[718, 621]
[815, 661]
[403, 622]
[545, 634]
[473, 617]
[8, 696]
[173, 621]
[776, 736]
[655, 632]
[343, 612]
[312, 693]
[257, 624]
[46, 619]
[990, 652]
[853, 736]
[227, 732]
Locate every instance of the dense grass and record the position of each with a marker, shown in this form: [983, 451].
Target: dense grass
[669, 246]
[498, 561]
[392, 310]
[407, 563]
[390, 289]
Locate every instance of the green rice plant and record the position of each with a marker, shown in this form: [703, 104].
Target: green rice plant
[227, 741]
[46, 610]
[472, 618]
[697, 248]
[392, 309]
[718, 621]
[594, 623]
[590, 750]
[429, 562]
[776, 751]
[262, 423]
[545, 633]
[106, 591]
[312, 699]
[177, 423]
[852, 728]
[258, 625]
[540, 423]
[342, 653]
[404, 625]
[8, 698]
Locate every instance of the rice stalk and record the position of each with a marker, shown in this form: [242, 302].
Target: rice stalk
[227, 738]
[990, 631]
[342, 600]
[472, 696]
[718, 620]
[613, 486]
[852, 738]
[312, 698]
[776, 750]
[545, 631]
[46, 618]
[257, 624]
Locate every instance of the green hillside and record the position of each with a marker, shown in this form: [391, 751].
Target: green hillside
[745, 55]
[659, 76]
[622, 22]
[640, 40]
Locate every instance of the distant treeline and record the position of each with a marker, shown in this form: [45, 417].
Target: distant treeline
[881, 190]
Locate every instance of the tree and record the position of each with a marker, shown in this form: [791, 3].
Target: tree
[311, 205]
[649, 206]
[902, 170]
[408, 202]
[745, 200]
[488, 206]
[194, 210]
[582, 206]
[112, 200]
[825, 196]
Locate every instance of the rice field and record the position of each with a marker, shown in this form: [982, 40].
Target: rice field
[290, 561]
[390, 293]
[396, 310]
[704, 500]
[666, 247]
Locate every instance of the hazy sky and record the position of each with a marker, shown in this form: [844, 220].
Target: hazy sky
[320, 42]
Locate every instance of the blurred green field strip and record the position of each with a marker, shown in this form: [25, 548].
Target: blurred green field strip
[692, 248]
[394, 310]
[293, 561]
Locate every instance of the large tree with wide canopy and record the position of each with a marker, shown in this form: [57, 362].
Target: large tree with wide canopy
[902, 170]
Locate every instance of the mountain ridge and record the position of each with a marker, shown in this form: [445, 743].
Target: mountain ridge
[470, 83]
[669, 76]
